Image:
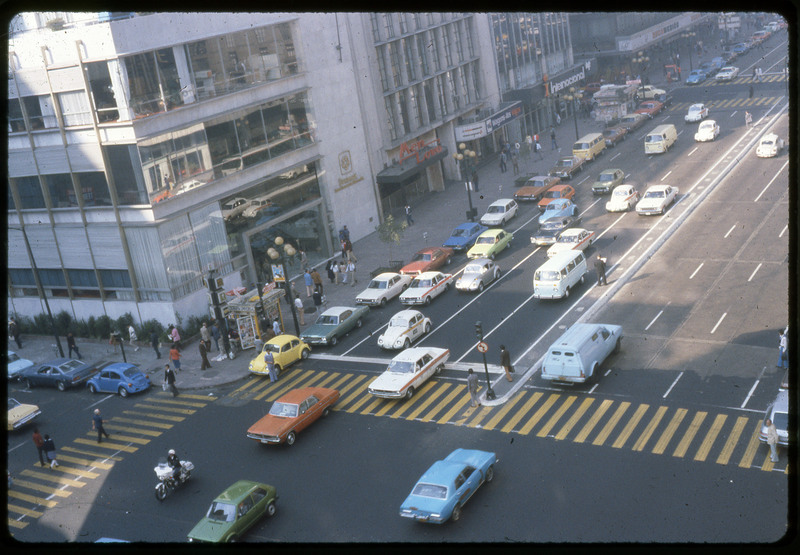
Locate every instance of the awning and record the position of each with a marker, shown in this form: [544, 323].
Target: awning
[409, 168]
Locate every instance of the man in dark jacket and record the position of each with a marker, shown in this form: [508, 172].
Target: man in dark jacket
[154, 341]
[204, 356]
[505, 362]
[600, 268]
[169, 377]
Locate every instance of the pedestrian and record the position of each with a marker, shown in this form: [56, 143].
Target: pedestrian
[298, 305]
[515, 162]
[205, 336]
[600, 268]
[215, 334]
[72, 346]
[342, 272]
[529, 145]
[176, 337]
[553, 143]
[351, 273]
[39, 443]
[755, 74]
[330, 270]
[132, 336]
[503, 166]
[748, 119]
[276, 327]
[350, 255]
[505, 362]
[539, 150]
[783, 355]
[334, 271]
[112, 340]
[203, 356]
[344, 234]
[13, 331]
[175, 356]
[318, 297]
[50, 450]
[475, 180]
[472, 385]
[303, 258]
[409, 219]
[772, 440]
[558, 118]
[269, 361]
[97, 424]
[154, 341]
[316, 279]
[750, 91]
[169, 380]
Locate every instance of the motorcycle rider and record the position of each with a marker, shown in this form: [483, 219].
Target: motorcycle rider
[175, 463]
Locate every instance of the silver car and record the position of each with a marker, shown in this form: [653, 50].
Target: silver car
[478, 274]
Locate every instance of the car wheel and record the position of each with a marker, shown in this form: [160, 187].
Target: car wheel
[304, 354]
[278, 368]
[427, 300]
[326, 412]
[28, 384]
[92, 388]
[61, 386]
[491, 256]
[480, 287]
[490, 473]
[359, 323]
[383, 302]
[617, 344]
[439, 369]
[271, 508]
[409, 393]
[290, 437]
[122, 392]
[407, 343]
[334, 340]
[583, 278]
[428, 327]
[566, 293]
[497, 274]
[456, 512]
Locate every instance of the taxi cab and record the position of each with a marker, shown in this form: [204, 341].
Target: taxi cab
[426, 287]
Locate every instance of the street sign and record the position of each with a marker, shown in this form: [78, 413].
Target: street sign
[483, 346]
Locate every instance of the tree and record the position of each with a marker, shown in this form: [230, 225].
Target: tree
[391, 232]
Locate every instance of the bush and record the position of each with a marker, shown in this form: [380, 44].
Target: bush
[149, 327]
[102, 327]
[63, 322]
[41, 325]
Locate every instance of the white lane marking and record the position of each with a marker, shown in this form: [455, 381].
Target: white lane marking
[750, 393]
[697, 270]
[771, 180]
[671, 386]
[692, 151]
[721, 318]
[754, 272]
[730, 231]
[615, 156]
[370, 336]
[733, 114]
[660, 312]
[667, 175]
[584, 179]
[785, 228]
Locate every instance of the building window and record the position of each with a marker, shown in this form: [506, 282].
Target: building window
[402, 111]
[75, 108]
[93, 188]
[382, 68]
[100, 84]
[429, 93]
[62, 193]
[115, 278]
[394, 56]
[376, 32]
[52, 278]
[434, 49]
[20, 277]
[422, 53]
[11, 204]
[410, 59]
[126, 173]
[416, 107]
[154, 83]
[16, 122]
[387, 102]
[82, 278]
[403, 24]
[458, 39]
[388, 24]
[30, 192]
[447, 45]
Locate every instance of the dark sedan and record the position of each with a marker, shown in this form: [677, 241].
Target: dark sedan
[60, 373]
[551, 229]
[613, 135]
[566, 167]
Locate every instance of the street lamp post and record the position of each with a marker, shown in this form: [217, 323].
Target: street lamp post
[276, 255]
[41, 289]
[641, 61]
[466, 163]
[690, 35]
[572, 97]
[479, 332]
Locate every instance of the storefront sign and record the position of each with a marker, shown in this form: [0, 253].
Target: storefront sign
[471, 131]
[419, 150]
[504, 116]
[346, 170]
[556, 86]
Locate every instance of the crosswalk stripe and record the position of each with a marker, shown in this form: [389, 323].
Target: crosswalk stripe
[417, 398]
[169, 417]
[648, 431]
[177, 401]
[390, 404]
[666, 436]
[595, 418]
[761, 101]
[375, 402]
[457, 407]
[343, 390]
[683, 445]
[331, 377]
[151, 433]
[442, 404]
[567, 428]
[360, 391]
[533, 420]
[337, 384]
[95, 454]
[206, 398]
[711, 436]
[50, 477]
[138, 422]
[429, 399]
[508, 405]
[45, 489]
[249, 383]
[107, 445]
[630, 426]
[733, 439]
[544, 430]
[611, 424]
[85, 462]
[522, 412]
[282, 388]
[49, 503]
[767, 465]
[478, 416]
[752, 446]
[16, 524]
[262, 386]
[24, 511]
[165, 409]
[129, 439]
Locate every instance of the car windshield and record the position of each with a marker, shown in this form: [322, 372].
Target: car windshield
[460, 232]
[71, 365]
[552, 194]
[473, 269]
[221, 512]
[421, 283]
[401, 367]
[12, 403]
[695, 109]
[781, 420]
[545, 275]
[13, 357]
[568, 239]
[620, 193]
[485, 240]
[707, 125]
[328, 319]
[655, 194]
[398, 323]
[430, 490]
[564, 163]
[654, 139]
[555, 206]
[767, 142]
[284, 410]
[557, 223]
[377, 284]
[495, 210]
[272, 348]
[606, 177]
[424, 256]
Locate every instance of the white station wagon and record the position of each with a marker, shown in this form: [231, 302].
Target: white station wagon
[499, 212]
[383, 288]
[408, 371]
[426, 287]
[405, 327]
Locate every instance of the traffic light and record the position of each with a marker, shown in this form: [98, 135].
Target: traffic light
[479, 330]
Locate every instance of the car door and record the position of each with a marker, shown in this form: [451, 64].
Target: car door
[306, 412]
[466, 483]
[245, 516]
[414, 329]
[346, 322]
[104, 380]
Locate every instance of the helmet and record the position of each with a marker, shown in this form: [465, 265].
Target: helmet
[172, 451]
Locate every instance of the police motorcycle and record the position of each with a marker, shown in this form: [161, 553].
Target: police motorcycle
[167, 479]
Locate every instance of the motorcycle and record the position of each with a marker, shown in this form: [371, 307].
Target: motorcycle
[166, 482]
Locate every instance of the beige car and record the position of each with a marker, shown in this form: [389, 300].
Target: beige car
[20, 414]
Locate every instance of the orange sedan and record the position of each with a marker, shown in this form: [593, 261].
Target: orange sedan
[649, 108]
[292, 413]
[556, 191]
[428, 259]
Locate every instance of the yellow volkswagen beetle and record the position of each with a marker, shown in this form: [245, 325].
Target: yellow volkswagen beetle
[286, 349]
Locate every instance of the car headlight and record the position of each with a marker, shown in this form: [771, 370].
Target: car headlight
[474, 284]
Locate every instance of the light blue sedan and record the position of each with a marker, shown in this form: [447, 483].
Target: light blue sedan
[444, 488]
[119, 377]
[558, 208]
[16, 365]
[463, 236]
[696, 77]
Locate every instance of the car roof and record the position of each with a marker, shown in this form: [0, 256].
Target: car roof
[336, 310]
[697, 105]
[412, 353]
[466, 225]
[657, 187]
[408, 313]
[120, 366]
[235, 492]
[282, 339]
[559, 201]
[610, 170]
[386, 275]
[429, 275]
[502, 201]
[491, 233]
[573, 231]
[560, 187]
[480, 261]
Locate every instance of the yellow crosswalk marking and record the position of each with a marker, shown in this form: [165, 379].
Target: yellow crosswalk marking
[55, 478]
[556, 416]
[533, 420]
[666, 436]
[165, 409]
[630, 426]
[49, 503]
[336, 385]
[262, 384]
[169, 417]
[16, 524]
[417, 398]
[752, 446]
[177, 401]
[611, 424]
[462, 390]
[479, 415]
[733, 439]
[360, 391]
[763, 100]
[390, 404]
[107, 445]
[24, 511]
[648, 431]
[343, 390]
[767, 465]
[595, 418]
[441, 405]
[118, 437]
[683, 445]
[324, 383]
[199, 397]
[521, 412]
[95, 454]
[711, 436]
[248, 384]
[151, 433]
[280, 387]
[507, 406]
[567, 428]
[160, 425]
[85, 462]
[376, 401]
[39, 487]
[429, 399]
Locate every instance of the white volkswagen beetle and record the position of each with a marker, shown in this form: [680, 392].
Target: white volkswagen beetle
[696, 112]
[405, 327]
[707, 131]
[623, 198]
[769, 146]
[408, 371]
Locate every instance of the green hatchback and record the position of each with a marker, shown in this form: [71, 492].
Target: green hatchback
[607, 180]
[234, 511]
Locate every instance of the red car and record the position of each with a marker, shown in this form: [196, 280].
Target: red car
[649, 108]
[556, 191]
[431, 258]
[292, 413]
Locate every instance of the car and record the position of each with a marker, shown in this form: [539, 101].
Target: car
[535, 188]
[234, 511]
[576, 238]
[560, 191]
[442, 490]
[648, 92]
[286, 349]
[707, 131]
[550, 230]
[477, 275]
[656, 199]
[20, 414]
[257, 206]
[566, 167]
[631, 122]
[490, 244]
[623, 198]
[464, 235]
[234, 207]
[697, 112]
[499, 212]
[696, 77]
[558, 208]
[760, 36]
[650, 108]
[333, 324]
[60, 373]
[426, 287]
[383, 288]
[429, 258]
[407, 372]
[119, 377]
[727, 73]
[778, 412]
[17, 365]
[769, 146]
[404, 328]
[292, 413]
[739, 48]
[607, 180]
[613, 135]
[665, 99]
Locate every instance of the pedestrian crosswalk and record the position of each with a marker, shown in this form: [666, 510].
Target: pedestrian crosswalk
[39, 488]
[743, 102]
[745, 80]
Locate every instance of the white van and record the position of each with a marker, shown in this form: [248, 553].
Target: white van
[660, 139]
[577, 355]
[555, 278]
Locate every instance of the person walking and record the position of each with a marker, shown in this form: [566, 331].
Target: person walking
[538, 147]
[154, 341]
[553, 143]
[169, 380]
[316, 279]
[175, 356]
[475, 180]
[503, 166]
[309, 282]
[215, 333]
[472, 385]
[39, 443]
[269, 361]
[515, 162]
[409, 219]
[97, 424]
[351, 273]
[276, 327]
[342, 272]
[203, 356]
[600, 268]
[72, 346]
[298, 305]
[783, 356]
[50, 450]
[329, 269]
[772, 440]
[132, 336]
[13, 331]
[748, 119]
[205, 336]
[176, 337]
[505, 362]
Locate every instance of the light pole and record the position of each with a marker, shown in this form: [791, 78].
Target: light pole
[277, 255]
[41, 289]
[689, 35]
[641, 61]
[466, 163]
[572, 97]
[479, 332]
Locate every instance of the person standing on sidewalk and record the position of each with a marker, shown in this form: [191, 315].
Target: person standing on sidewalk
[298, 305]
[472, 386]
[351, 273]
[13, 331]
[515, 162]
[205, 336]
[176, 337]
[39, 443]
[215, 333]
[276, 327]
[772, 440]
[154, 341]
[132, 336]
[475, 180]
[317, 280]
[783, 357]
[72, 346]
[175, 356]
[97, 424]
[553, 143]
[505, 362]
[203, 356]
[50, 450]
[748, 119]
[538, 147]
[309, 282]
[503, 166]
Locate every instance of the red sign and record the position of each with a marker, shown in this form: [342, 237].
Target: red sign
[420, 150]
[483, 346]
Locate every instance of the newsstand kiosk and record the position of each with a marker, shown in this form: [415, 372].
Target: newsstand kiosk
[248, 315]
